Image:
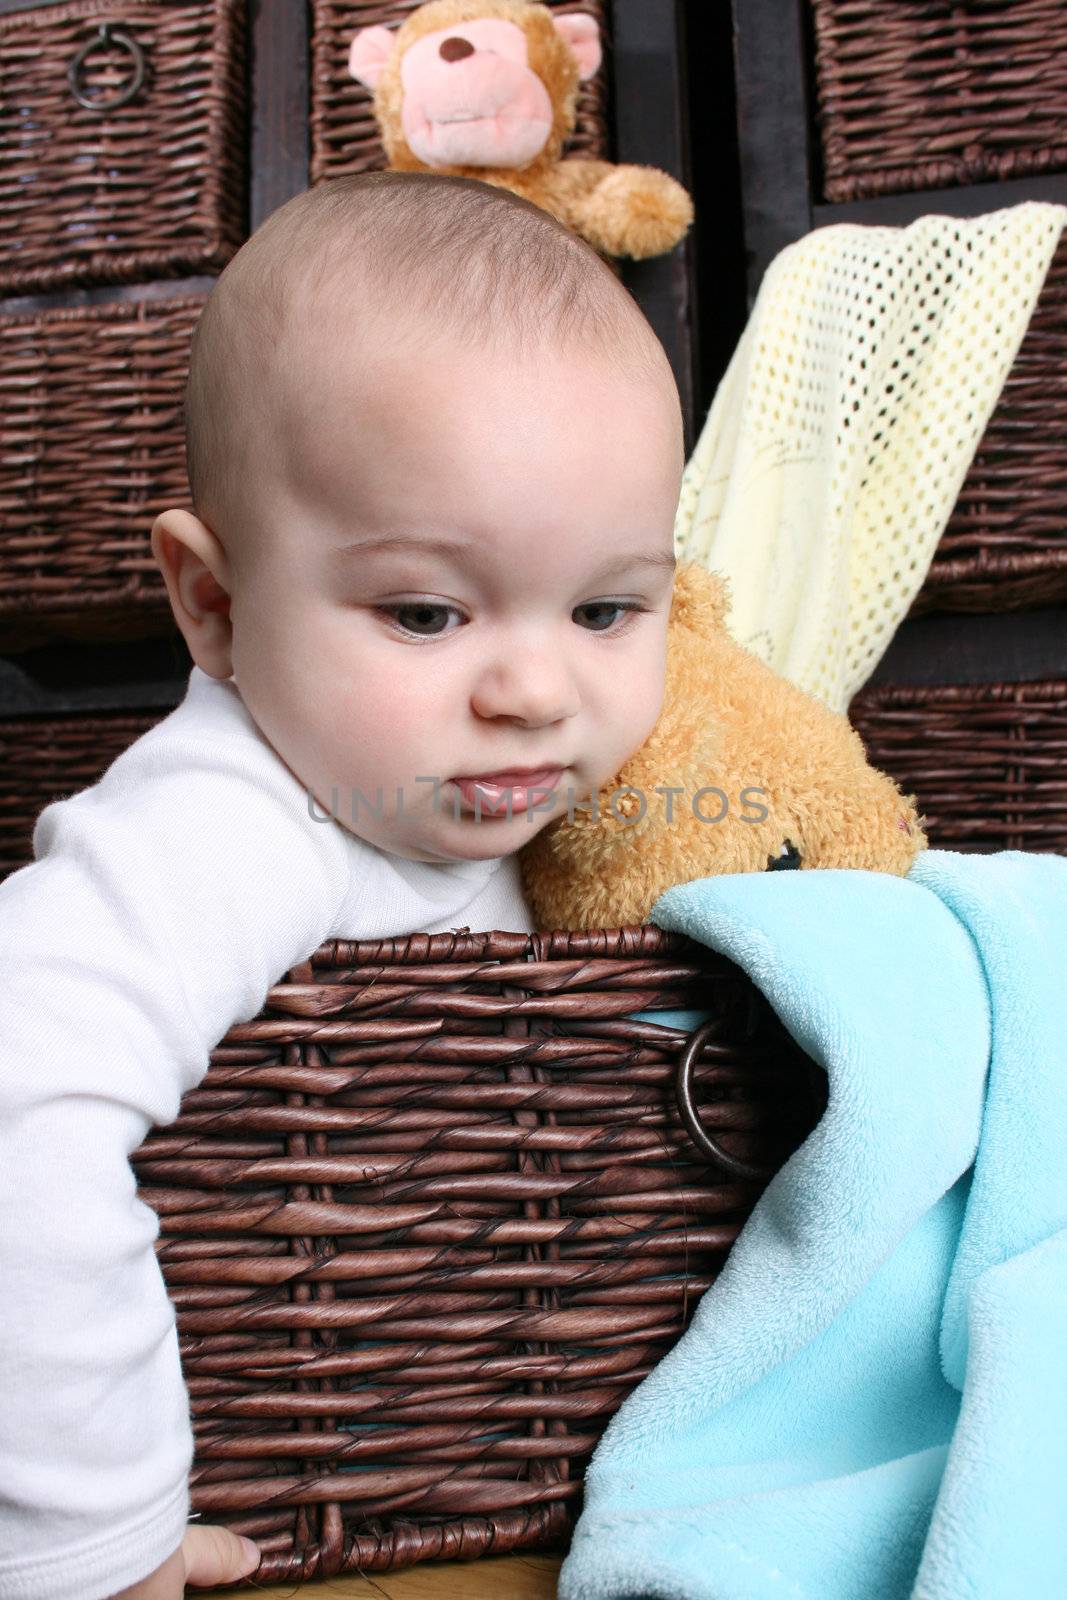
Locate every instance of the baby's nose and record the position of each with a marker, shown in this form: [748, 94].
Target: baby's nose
[456, 49]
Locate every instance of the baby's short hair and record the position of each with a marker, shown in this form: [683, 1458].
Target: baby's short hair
[400, 247]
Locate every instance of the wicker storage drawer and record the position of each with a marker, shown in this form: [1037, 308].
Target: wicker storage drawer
[141, 185]
[92, 449]
[48, 758]
[344, 135]
[1006, 543]
[986, 762]
[929, 94]
[433, 1213]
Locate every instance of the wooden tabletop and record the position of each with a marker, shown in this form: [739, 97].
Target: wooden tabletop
[492, 1578]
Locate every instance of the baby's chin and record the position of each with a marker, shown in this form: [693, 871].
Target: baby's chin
[470, 839]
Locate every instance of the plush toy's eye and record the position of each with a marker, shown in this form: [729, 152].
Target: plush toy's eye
[455, 48]
[786, 860]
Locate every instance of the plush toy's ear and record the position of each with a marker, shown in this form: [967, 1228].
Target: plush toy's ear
[369, 53]
[701, 599]
[583, 35]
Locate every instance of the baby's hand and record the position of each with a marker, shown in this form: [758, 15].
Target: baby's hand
[206, 1556]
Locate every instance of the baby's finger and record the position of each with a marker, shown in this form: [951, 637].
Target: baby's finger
[216, 1555]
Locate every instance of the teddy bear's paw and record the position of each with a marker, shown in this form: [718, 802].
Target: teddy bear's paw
[636, 211]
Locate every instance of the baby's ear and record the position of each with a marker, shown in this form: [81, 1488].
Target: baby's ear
[701, 600]
[583, 36]
[369, 53]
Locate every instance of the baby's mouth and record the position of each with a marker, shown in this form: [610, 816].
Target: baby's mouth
[504, 793]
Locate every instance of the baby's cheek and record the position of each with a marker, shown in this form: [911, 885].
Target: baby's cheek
[648, 686]
[386, 729]
[635, 712]
[645, 724]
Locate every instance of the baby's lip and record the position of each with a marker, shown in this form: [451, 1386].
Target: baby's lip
[493, 794]
[518, 775]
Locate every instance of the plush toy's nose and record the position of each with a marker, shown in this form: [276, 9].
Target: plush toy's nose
[456, 49]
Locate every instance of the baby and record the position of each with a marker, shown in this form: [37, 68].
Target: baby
[435, 453]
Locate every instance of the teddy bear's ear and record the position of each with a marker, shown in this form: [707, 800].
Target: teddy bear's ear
[583, 35]
[368, 54]
[701, 599]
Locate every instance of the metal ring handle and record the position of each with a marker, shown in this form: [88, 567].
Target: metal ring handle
[683, 1089]
[107, 35]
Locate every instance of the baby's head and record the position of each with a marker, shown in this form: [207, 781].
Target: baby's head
[435, 452]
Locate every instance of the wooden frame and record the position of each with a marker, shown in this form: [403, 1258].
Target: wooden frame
[650, 95]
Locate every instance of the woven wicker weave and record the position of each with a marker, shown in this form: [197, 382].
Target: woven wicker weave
[987, 762]
[344, 134]
[48, 758]
[1006, 543]
[91, 448]
[151, 187]
[928, 94]
[433, 1213]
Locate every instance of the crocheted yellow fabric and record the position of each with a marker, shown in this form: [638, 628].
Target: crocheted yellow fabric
[842, 431]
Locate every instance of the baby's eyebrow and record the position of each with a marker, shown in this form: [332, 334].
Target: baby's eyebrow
[659, 560]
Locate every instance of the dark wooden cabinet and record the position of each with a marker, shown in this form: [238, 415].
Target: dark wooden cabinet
[725, 96]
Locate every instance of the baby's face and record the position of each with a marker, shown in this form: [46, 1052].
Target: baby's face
[462, 566]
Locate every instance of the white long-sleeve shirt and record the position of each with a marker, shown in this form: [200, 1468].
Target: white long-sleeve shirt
[163, 903]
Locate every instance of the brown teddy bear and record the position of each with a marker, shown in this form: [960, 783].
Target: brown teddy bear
[764, 777]
[487, 89]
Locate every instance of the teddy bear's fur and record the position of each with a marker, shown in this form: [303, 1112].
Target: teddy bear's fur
[632, 211]
[730, 722]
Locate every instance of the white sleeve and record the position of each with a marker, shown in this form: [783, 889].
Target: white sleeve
[164, 902]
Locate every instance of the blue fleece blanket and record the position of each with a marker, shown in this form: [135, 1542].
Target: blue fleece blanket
[871, 1400]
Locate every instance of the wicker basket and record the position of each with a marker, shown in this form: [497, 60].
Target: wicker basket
[929, 94]
[987, 762]
[344, 134]
[435, 1211]
[92, 449]
[1006, 543]
[137, 185]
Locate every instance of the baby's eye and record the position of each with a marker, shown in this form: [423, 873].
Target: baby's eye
[599, 607]
[419, 617]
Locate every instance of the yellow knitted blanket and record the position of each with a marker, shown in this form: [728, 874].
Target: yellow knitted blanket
[842, 431]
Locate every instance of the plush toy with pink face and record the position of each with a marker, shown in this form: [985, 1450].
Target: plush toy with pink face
[488, 89]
